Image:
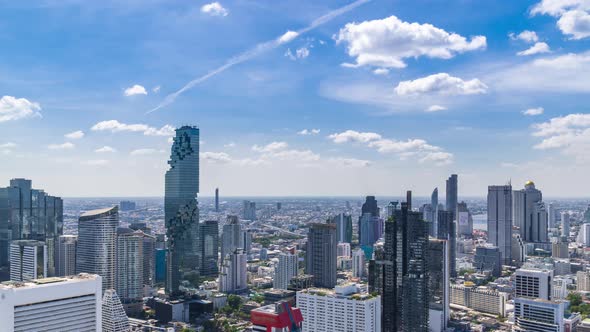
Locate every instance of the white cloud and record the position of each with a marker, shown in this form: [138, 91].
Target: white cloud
[214, 9]
[75, 135]
[96, 162]
[8, 145]
[574, 16]
[135, 90]
[12, 108]
[381, 71]
[354, 136]
[105, 149]
[296, 155]
[350, 162]
[535, 49]
[387, 42]
[570, 134]
[300, 53]
[229, 145]
[141, 152]
[156, 89]
[306, 132]
[216, 157]
[418, 148]
[115, 126]
[533, 111]
[271, 147]
[287, 37]
[526, 36]
[441, 83]
[436, 108]
[63, 146]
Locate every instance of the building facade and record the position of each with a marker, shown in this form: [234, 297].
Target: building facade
[321, 256]
[500, 220]
[65, 255]
[286, 268]
[28, 260]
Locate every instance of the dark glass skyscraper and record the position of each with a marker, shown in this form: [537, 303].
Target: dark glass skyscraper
[448, 231]
[181, 207]
[320, 255]
[370, 206]
[452, 184]
[209, 247]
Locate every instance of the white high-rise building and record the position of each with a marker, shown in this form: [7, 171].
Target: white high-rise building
[343, 249]
[129, 271]
[65, 255]
[358, 263]
[539, 315]
[340, 310]
[529, 213]
[533, 283]
[583, 281]
[500, 220]
[28, 260]
[584, 235]
[114, 318]
[97, 237]
[233, 277]
[52, 305]
[285, 269]
[230, 236]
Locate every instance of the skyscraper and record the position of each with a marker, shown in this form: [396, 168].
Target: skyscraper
[28, 214]
[370, 206]
[209, 247]
[181, 207]
[249, 210]
[565, 224]
[65, 255]
[97, 236]
[114, 318]
[129, 271]
[400, 276]
[216, 199]
[320, 255]
[230, 236]
[28, 260]
[451, 197]
[233, 274]
[343, 227]
[370, 229]
[500, 220]
[447, 231]
[286, 268]
[529, 213]
[438, 284]
[464, 221]
[358, 263]
[434, 210]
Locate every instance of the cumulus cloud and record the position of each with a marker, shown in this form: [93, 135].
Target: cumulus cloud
[75, 134]
[441, 83]
[300, 53]
[270, 147]
[385, 43]
[63, 146]
[350, 162]
[156, 89]
[135, 90]
[12, 108]
[535, 49]
[8, 145]
[381, 71]
[573, 16]
[533, 111]
[105, 149]
[306, 132]
[142, 152]
[216, 157]
[287, 37]
[570, 134]
[214, 9]
[436, 108]
[115, 126]
[229, 145]
[526, 36]
[410, 148]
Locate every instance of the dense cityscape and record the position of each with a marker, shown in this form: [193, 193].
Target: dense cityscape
[187, 263]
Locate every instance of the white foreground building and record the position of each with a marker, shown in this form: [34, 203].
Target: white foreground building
[52, 304]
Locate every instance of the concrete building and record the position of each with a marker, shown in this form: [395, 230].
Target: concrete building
[533, 283]
[539, 315]
[464, 221]
[480, 299]
[28, 260]
[340, 310]
[583, 281]
[500, 220]
[279, 317]
[114, 318]
[285, 270]
[560, 249]
[452, 193]
[129, 270]
[209, 248]
[343, 249]
[233, 275]
[529, 213]
[230, 236]
[52, 304]
[438, 284]
[488, 258]
[358, 263]
[321, 255]
[343, 227]
[97, 237]
[249, 210]
[584, 235]
[565, 224]
[65, 255]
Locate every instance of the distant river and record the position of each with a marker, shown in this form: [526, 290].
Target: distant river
[480, 221]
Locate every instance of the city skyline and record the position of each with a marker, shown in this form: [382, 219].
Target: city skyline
[498, 95]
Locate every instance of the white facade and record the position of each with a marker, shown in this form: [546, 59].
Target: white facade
[358, 263]
[233, 276]
[583, 281]
[114, 318]
[343, 249]
[533, 283]
[285, 269]
[584, 235]
[539, 315]
[339, 310]
[65, 255]
[129, 272]
[28, 260]
[479, 299]
[52, 305]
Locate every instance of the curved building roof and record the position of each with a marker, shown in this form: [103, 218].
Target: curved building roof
[94, 214]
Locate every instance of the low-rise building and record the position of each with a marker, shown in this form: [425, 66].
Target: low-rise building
[480, 299]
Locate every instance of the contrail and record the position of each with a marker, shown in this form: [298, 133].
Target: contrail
[259, 49]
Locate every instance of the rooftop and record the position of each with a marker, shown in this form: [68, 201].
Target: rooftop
[46, 281]
[98, 213]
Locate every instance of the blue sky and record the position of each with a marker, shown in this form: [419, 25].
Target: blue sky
[381, 97]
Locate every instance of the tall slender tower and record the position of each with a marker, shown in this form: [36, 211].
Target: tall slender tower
[216, 199]
[452, 185]
[130, 269]
[434, 218]
[65, 255]
[320, 255]
[181, 207]
[97, 236]
[500, 220]
[529, 213]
